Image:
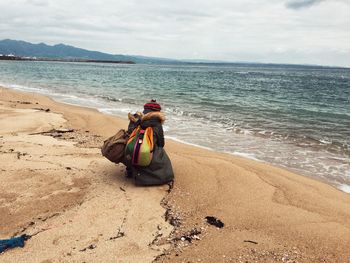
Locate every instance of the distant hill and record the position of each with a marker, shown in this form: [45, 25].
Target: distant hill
[66, 52]
[61, 51]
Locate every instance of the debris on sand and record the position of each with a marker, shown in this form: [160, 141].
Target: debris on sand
[211, 220]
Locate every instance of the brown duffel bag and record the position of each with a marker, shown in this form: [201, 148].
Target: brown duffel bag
[114, 147]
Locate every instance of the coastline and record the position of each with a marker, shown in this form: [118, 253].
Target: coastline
[342, 183]
[308, 159]
[269, 213]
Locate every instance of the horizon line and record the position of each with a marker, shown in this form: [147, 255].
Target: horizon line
[191, 60]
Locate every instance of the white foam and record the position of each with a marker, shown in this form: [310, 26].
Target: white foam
[120, 112]
[344, 187]
[126, 110]
[109, 111]
[245, 155]
[166, 128]
[26, 88]
[324, 141]
[188, 143]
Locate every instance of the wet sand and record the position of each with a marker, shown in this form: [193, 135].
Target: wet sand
[80, 207]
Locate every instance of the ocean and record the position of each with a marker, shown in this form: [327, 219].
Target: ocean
[295, 117]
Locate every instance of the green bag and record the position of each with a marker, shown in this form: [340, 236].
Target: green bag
[139, 148]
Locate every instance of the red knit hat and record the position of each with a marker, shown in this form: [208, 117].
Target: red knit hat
[152, 105]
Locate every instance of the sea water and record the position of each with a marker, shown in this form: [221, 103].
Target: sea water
[295, 117]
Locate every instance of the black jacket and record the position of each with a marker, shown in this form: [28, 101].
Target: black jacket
[160, 170]
[152, 119]
[155, 121]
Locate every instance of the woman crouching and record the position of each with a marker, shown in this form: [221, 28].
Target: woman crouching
[146, 159]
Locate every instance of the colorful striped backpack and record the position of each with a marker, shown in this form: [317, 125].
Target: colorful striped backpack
[139, 148]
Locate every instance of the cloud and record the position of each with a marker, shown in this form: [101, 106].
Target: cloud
[299, 4]
[37, 2]
[245, 30]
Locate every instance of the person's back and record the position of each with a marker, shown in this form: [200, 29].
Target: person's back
[160, 169]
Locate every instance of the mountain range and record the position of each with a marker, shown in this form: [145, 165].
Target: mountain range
[62, 51]
[65, 52]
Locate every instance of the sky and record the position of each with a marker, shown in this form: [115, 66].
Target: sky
[268, 31]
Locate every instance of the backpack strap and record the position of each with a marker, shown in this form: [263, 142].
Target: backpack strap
[137, 147]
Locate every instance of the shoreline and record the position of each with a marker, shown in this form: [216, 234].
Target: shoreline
[280, 212]
[342, 185]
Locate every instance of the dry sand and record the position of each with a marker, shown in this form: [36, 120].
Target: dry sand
[79, 207]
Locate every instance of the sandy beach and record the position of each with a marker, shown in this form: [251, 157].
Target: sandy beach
[79, 207]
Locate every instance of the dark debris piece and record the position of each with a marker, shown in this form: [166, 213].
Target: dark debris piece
[250, 241]
[42, 109]
[173, 219]
[20, 102]
[211, 220]
[92, 246]
[119, 235]
[171, 186]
